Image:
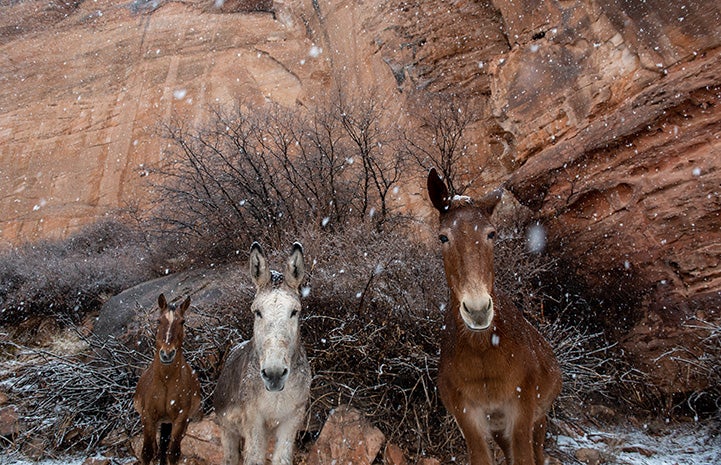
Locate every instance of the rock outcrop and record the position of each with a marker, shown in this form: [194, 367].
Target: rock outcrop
[614, 115]
[602, 117]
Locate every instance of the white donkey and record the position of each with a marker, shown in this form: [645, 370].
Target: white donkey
[264, 386]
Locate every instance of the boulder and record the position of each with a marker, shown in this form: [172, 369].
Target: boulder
[393, 455]
[122, 313]
[202, 441]
[346, 438]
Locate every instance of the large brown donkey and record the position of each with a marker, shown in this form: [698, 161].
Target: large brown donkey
[497, 375]
[168, 392]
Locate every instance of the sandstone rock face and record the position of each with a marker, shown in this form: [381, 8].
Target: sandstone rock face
[613, 111]
[601, 116]
[90, 88]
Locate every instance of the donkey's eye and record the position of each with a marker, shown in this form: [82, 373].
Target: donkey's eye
[294, 313]
[443, 238]
[492, 235]
[258, 314]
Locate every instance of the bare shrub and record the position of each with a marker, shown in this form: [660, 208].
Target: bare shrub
[707, 365]
[371, 327]
[587, 364]
[443, 140]
[73, 402]
[71, 277]
[70, 402]
[268, 173]
[700, 360]
[371, 142]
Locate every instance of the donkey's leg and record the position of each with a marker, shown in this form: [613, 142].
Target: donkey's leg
[165, 429]
[285, 441]
[230, 440]
[539, 437]
[256, 442]
[150, 445]
[522, 442]
[476, 440]
[176, 436]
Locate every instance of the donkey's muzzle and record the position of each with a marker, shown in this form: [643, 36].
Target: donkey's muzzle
[274, 378]
[166, 358]
[477, 316]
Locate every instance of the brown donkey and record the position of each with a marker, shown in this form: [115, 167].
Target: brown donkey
[497, 375]
[168, 392]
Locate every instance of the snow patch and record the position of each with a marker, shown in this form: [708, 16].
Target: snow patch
[691, 444]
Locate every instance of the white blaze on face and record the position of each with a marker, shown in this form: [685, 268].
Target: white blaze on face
[170, 316]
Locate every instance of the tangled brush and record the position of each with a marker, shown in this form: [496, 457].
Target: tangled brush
[372, 319]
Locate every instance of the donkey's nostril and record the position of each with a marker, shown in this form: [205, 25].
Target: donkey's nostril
[274, 378]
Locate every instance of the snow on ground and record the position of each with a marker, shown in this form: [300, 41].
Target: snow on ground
[20, 461]
[71, 460]
[690, 444]
[686, 444]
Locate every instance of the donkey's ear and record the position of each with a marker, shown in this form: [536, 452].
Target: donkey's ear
[259, 270]
[489, 201]
[438, 192]
[295, 267]
[162, 303]
[184, 306]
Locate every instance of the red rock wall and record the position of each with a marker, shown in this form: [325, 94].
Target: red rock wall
[615, 118]
[601, 116]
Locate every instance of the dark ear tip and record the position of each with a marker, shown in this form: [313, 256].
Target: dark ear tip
[297, 246]
[256, 246]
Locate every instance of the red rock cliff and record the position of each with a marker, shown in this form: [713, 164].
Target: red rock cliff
[601, 116]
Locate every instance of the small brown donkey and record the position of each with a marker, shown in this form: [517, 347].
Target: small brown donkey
[497, 375]
[168, 392]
